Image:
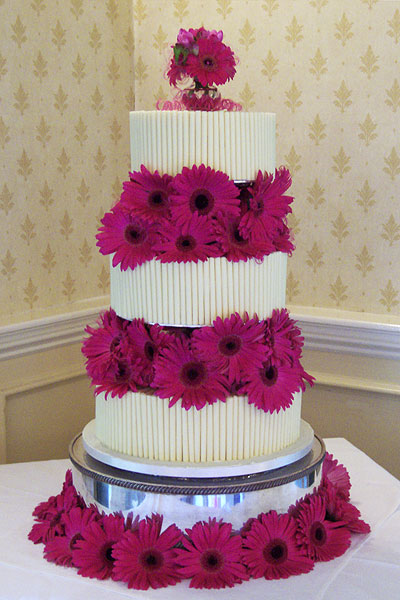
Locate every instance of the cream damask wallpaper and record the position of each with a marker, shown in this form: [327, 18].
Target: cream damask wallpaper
[66, 86]
[329, 69]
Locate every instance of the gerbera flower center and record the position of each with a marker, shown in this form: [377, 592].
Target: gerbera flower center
[212, 560]
[157, 199]
[150, 350]
[193, 374]
[107, 552]
[186, 243]
[74, 539]
[275, 552]
[257, 206]
[237, 238]
[122, 372]
[269, 374]
[318, 533]
[230, 345]
[209, 63]
[114, 343]
[134, 234]
[202, 201]
[151, 559]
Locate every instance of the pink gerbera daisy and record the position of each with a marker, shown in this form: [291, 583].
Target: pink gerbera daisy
[147, 341]
[211, 556]
[49, 514]
[338, 475]
[338, 509]
[214, 63]
[147, 194]
[270, 549]
[123, 374]
[233, 342]
[267, 205]
[59, 550]
[205, 191]
[104, 342]
[93, 553]
[130, 238]
[320, 538]
[145, 557]
[282, 238]
[283, 337]
[271, 386]
[237, 247]
[181, 373]
[193, 240]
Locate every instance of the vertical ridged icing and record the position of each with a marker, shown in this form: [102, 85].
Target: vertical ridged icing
[144, 426]
[237, 143]
[196, 293]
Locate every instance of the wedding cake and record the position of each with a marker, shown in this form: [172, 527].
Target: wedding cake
[196, 366]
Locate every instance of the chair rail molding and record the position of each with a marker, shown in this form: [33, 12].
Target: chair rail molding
[323, 330]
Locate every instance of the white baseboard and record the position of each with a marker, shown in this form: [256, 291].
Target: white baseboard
[322, 332]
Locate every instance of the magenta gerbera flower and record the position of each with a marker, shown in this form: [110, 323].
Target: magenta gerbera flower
[214, 63]
[147, 194]
[267, 204]
[237, 247]
[283, 337]
[205, 191]
[146, 341]
[104, 342]
[193, 240]
[338, 475]
[181, 373]
[145, 557]
[234, 343]
[270, 549]
[124, 374]
[48, 515]
[211, 556]
[339, 509]
[93, 553]
[130, 238]
[320, 538]
[271, 386]
[59, 550]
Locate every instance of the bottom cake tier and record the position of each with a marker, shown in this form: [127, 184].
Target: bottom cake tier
[144, 426]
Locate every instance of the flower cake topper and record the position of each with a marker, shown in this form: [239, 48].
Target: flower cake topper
[199, 62]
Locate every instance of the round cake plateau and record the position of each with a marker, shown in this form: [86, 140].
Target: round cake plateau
[233, 468]
[186, 500]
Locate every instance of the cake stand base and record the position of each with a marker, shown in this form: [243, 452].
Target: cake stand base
[186, 500]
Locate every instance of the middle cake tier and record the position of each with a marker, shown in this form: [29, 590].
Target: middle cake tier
[196, 293]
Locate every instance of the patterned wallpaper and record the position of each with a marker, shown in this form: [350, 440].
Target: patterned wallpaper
[328, 68]
[66, 86]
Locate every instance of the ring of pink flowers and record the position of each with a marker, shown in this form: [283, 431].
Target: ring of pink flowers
[334, 487]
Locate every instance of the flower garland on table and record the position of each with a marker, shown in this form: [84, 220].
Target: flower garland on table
[234, 356]
[200, 60]
[211, 554]
[198, 214]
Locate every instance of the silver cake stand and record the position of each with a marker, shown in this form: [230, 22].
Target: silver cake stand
[186, 500]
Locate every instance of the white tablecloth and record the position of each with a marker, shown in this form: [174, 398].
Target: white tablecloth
[369, 570]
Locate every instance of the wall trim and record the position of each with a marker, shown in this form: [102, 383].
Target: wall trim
[321, 332]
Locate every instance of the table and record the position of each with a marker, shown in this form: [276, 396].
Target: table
[369, 570]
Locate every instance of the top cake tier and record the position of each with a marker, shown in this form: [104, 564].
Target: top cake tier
[237, 143]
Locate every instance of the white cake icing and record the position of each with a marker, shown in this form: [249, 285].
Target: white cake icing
[196, 293]
[145, 426]
[237, 143]
[182, 294]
